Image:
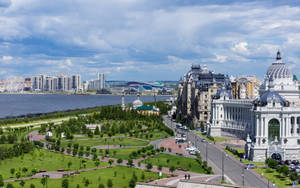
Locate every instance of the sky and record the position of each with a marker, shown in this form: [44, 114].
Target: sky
[146, 40]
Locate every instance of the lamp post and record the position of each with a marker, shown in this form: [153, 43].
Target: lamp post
[243, 176]
[206, 152]
[223, 167]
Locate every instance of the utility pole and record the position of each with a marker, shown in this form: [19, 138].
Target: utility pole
[223, 166]
[206, 152]
[243, 175]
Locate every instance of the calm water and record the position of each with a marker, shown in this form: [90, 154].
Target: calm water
[16, 105]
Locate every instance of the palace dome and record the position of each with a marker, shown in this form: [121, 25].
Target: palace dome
[278, 69]
[223, 93]
[270, 96]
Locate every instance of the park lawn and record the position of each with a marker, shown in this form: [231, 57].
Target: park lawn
[42, 159]
[123, 153]
[274, 177]
[158, 135]
[252, 162]
[108, 141]
[96, 177]
[217, 139]
[176, 161]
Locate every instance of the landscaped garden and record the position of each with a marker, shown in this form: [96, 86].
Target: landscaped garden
[118, 176]
[36, 160]
[178, 162]
[124, 141]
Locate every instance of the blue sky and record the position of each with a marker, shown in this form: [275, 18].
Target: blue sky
[146, 39]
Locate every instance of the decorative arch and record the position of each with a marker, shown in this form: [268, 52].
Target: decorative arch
[273, 129]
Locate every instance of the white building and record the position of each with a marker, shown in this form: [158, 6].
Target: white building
[270, 124]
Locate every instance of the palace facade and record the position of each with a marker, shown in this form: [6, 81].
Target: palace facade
[270, 124]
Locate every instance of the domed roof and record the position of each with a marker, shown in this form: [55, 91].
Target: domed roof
[223, 92]
[270, 96]
[278, 69]
[137, 103]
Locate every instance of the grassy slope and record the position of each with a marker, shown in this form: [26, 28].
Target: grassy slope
[109, 141]
[274, 177]
[124, 175]
[42, 159]
[184, 162]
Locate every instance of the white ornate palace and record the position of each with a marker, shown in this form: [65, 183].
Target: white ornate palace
[270, 124]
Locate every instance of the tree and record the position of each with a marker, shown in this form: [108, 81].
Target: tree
[32, 186]
[69, 164]
[12, 171]
[109, 183]
[132, 183]
[22, 183]
[24, 170]
[44, 181]
[119, 161]
[130, 162]
[18, 174]
[149, 166]
[97, 131]
[101, 186]
[65, 183]
[172, 169]
[294, 176]
[97, 163]
[9, 185]
[1, 181]
[110, 161]
[159, 167]
[87, 182]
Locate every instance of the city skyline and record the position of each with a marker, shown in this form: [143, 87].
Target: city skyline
[138, 40]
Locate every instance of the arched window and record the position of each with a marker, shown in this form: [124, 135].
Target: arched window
[274, 129]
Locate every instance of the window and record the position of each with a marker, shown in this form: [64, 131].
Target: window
[298, 141]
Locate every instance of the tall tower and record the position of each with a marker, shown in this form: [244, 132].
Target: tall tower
[123, 102]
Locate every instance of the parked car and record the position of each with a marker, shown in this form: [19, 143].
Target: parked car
[295, 162]
[288, 162]
[203, 140]
[250, 165]
[281, 162]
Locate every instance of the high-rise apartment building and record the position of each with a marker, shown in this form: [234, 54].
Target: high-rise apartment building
[101, 79]
[56, 83]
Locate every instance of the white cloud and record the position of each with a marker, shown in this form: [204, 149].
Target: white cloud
[7, 58]
[241, 48]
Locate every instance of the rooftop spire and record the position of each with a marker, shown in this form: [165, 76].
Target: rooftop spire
[278, 57]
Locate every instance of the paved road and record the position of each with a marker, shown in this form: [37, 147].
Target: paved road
[37, 124]
[233, 169]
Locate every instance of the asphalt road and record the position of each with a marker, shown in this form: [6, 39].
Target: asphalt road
[233, 169]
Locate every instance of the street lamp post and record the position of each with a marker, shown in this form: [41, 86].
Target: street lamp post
[206, 152]
[223, 167]
[243, 175]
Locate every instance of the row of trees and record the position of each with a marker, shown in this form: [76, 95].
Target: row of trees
[282, 169]
[16, 150]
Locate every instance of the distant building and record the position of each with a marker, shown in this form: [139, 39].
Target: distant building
[195, 92]
[101, 79]
[245, 87]
[61, 82]
[98, 84]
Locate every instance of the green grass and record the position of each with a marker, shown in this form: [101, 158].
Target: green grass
[41, 159]
[252, 162]
[107, 141]
[158, 135]
[176, 161]
[122, 153]
[274, 177]
[122, 178]
[217, 139]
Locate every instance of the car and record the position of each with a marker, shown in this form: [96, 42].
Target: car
[295, 162]
[281, 162]
[203, 140]
[288, 162]
[250, 165]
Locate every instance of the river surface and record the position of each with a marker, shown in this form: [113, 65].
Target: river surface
[17, 104]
